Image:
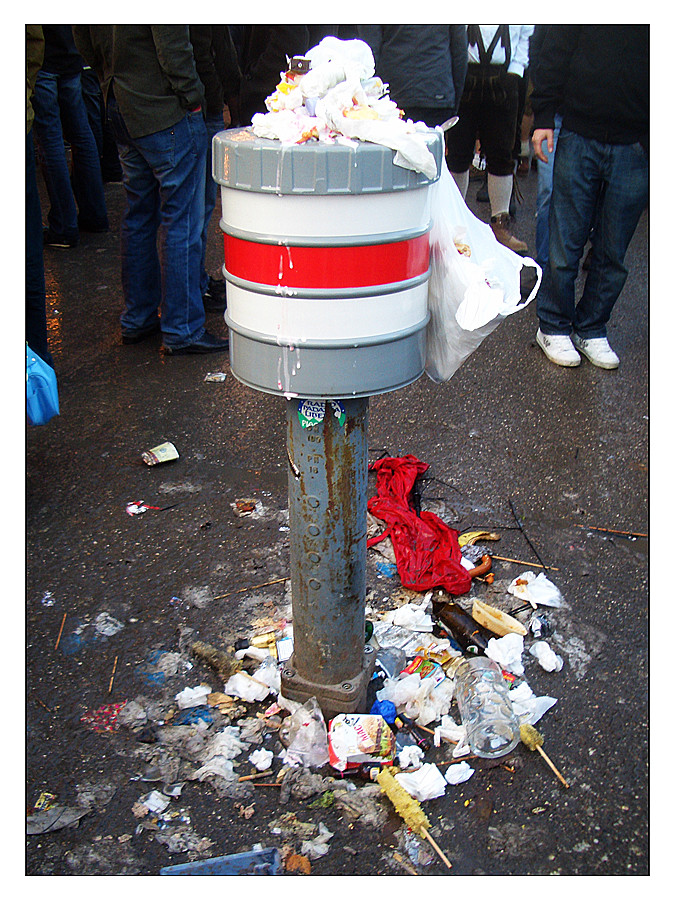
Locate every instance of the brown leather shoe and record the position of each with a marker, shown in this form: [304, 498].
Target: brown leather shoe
[500, 229]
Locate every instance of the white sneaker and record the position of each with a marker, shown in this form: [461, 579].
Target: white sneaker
[598, 351]
[558, 348]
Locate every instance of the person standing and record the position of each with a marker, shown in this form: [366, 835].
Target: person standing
[77, 200]
[597, 78]
[424, 66]
[218, 70]
[155, 101]
[498, 58]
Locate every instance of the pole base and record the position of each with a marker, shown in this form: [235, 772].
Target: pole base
[348, 697]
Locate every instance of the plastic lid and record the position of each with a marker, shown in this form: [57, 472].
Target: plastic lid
[245, 162]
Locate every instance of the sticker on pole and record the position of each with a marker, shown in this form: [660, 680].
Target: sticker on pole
[313, 412]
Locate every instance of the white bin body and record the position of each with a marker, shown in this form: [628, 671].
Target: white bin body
[326, 252]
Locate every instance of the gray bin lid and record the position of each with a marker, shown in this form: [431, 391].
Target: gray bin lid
[245, 162]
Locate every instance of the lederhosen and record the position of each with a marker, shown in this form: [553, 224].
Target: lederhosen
[488, 109]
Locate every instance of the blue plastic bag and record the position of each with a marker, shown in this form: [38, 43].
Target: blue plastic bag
[42, 395]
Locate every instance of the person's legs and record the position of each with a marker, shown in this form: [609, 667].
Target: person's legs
[86, 175]
[214, 124]
[544, 188]
[177, 158]
[625, 169]
[141, 277]
[62, 215]
[576, 183]
[460, 140]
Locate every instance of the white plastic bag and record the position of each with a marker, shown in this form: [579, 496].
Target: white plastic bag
[474, 281]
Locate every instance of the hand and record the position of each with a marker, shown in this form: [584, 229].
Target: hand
[540, 135]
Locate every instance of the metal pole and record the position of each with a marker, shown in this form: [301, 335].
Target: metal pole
[327, 445]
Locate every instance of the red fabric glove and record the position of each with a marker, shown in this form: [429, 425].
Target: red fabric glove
[427, 550]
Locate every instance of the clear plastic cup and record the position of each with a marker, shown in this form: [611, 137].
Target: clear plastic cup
[485, 707]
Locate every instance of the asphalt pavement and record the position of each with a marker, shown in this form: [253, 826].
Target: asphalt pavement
[555, 461]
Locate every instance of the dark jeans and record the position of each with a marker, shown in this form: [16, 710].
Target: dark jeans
[604, 187]
[214, 124]
[60, 113]
[489, 111]
[162, 227]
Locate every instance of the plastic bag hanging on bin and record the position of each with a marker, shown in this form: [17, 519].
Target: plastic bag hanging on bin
[474, 281]
[427, 550]
[42, 395]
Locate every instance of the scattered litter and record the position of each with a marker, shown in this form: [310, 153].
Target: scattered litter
[410, 757]
[103, 719]
[106, 625]
[253, 862]
[247, 507]
[54, 818]
[195, 696]
[537, 590]
[458, 773]
[496, 619]
[318, 846]
[546, 657]
[354, 739]
[165, 452]
[220, 661]
[261, 759]
[215, 377]
[47, 599]
[414, 617]
[533, 740]
[425, 783]
[305, 736]
[507, 651]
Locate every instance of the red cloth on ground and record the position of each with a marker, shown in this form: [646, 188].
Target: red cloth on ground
[427, 550]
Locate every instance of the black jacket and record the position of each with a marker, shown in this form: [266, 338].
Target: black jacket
[217, 66]
[597, 76]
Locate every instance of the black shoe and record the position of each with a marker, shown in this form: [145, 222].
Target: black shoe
[58, 241]
[135, 337]
[214, 297]
[207, 343]
[92, 227]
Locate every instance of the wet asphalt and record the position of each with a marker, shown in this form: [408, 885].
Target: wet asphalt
[556, 461]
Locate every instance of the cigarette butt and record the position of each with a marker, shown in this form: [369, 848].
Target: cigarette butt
[63, 622]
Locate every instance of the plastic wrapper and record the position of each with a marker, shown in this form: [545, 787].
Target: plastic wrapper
[426, 783]
[537, 590]
[354, 739]
[421, 699]
[305, 736]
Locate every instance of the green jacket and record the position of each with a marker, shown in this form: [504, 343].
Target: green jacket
[151, 69]
[35, 51]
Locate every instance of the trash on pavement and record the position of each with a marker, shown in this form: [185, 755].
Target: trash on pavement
[537, 590]
[54, 818]
[458, 773]
[533, 740]
[220, 661]
[215, 377]
[261, 759]
[425, 783]
[485, 707]
[507, 651]
[354, 739]
[305, 736]
[162, 453]
[496, 620]
[196, 696]
[546, 657]
[103, 719]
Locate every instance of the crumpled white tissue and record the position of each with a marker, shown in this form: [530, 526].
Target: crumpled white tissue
[261, 759]
[458, 773]
[507, 651]
[417, 697]
[318, 846]
[220, 751]
[536, 590]
[546, 657]
[425, 783]
[413, 616]
[410, 757]
[242, 685]
[527, 707]
[195, 696]
[451, 731]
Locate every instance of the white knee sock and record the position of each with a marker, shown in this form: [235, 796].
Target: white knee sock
[499, 191]
[462, 181]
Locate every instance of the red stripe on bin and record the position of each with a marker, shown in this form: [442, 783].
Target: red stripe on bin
[328, 267]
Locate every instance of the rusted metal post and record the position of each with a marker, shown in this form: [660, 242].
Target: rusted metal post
[328, 470]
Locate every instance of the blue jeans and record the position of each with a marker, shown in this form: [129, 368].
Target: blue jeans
[214, 124]
[60, 113]
[544, 188]
[36, 298]
[604, 187]
[161, 231]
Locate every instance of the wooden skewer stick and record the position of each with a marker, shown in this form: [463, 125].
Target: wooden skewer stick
[523, 562]
[63, 622]
[252, 588]
[552, 767]
[255, 775]
[613, 530]
[112, 677]
[428, 837]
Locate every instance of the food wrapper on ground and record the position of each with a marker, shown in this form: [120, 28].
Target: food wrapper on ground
[425, 668]
[354, 739]
[537, 590]
[426, 783]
